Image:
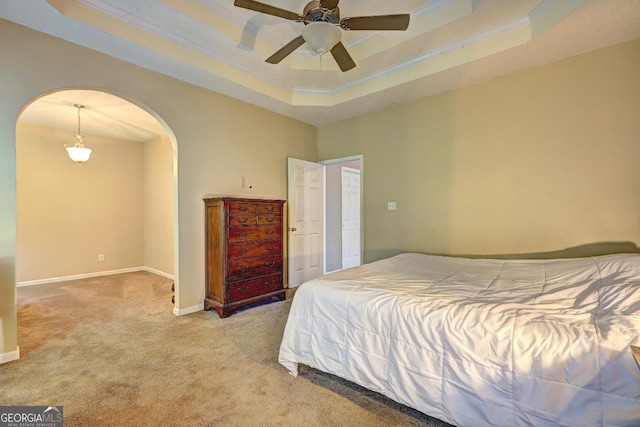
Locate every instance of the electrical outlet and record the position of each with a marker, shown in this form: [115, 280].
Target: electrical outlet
[101, 257]
[391, 206]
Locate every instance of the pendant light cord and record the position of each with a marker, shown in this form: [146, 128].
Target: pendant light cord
[79, 106]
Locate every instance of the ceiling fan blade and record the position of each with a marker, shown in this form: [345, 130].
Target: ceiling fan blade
[379, 23]
[342, 57]
[268, 9]
[286, 50]
[329, 4]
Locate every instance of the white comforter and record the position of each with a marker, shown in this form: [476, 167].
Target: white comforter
[480, 342]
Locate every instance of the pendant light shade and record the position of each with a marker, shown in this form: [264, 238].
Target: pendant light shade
[78, 152]
[321, 36]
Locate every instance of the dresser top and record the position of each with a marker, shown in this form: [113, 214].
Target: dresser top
[216, 197]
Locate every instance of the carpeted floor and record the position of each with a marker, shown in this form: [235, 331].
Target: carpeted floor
[111, 352]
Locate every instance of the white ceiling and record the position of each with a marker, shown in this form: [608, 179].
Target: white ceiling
[103, 114]
[215, 45]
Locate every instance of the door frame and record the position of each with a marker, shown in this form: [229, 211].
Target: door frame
[360, 158]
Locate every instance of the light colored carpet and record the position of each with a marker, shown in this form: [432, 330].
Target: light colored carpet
[111, 352]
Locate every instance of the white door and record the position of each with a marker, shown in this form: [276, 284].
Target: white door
[350, 217]
[305, 201]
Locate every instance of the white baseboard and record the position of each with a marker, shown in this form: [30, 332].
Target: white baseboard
[96, 274]
[188, 310]
[159, 273]
[10, 356]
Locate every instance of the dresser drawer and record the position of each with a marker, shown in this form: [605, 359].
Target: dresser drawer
[269, 219]
[269, 209]
[242, 208]
[253, 287]
[251, 249]
[257, 232]
[235, 220]
[244, 268]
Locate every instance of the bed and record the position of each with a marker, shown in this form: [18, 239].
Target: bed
[480, 342]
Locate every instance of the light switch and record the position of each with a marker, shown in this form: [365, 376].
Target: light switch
[391, 206]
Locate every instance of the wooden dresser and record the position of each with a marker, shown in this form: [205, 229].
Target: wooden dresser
[244, 252]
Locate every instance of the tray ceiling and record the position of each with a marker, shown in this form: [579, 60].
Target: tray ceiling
[449, 44]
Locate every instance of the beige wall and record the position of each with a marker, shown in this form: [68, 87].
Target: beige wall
[536, 161]
[158, 205]
[68, 213]
[219, 140]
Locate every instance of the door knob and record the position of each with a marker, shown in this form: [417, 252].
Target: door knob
[292, 229]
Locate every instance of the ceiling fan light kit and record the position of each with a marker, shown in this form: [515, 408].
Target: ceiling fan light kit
[321, 37]
[323, 28]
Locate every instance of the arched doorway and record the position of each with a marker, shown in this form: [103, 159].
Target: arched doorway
[114, 213]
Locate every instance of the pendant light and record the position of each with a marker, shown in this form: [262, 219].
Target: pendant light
[78, 152]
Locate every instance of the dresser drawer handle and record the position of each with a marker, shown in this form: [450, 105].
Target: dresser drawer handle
[269, 208]
[271, 232]
[243, 250]
[270, 219]
[241, 233]
[243, 208]
[270, 247]
[243, 220]
[243, 289]
[269, 264]
[270, 283]
[243, 270]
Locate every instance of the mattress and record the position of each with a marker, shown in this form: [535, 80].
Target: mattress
[480, 341]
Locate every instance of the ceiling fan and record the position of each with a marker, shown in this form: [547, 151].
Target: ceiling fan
[322, 28]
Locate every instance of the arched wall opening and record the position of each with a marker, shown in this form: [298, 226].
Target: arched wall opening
[113, 214]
